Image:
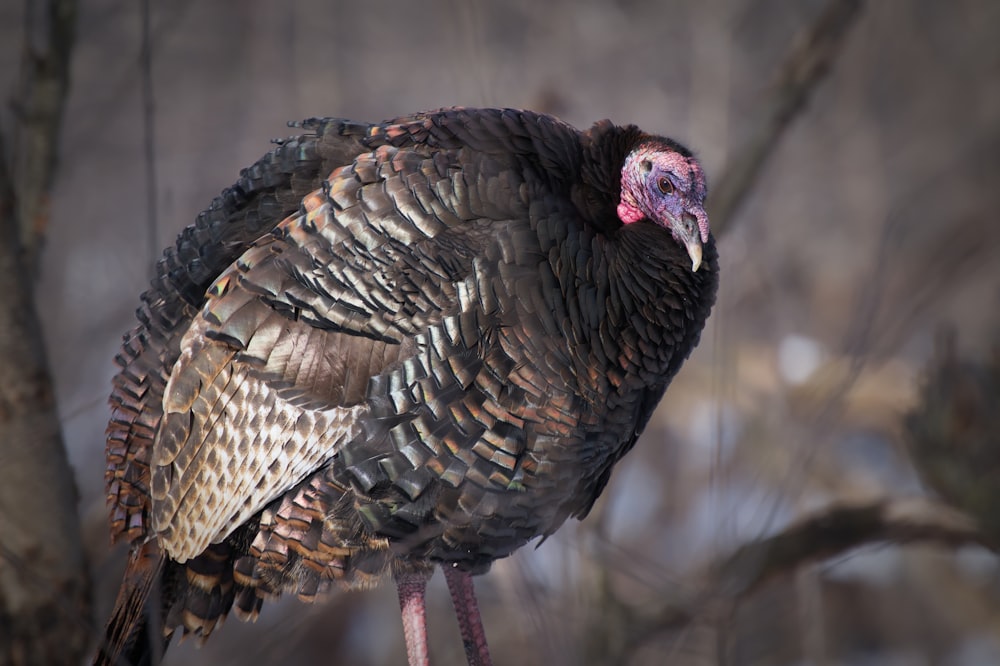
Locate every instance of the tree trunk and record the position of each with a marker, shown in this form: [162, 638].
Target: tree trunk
[43, 578]
[43, 590]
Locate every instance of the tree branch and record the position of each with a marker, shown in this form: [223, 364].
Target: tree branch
[805, 67]
[837, 530]
[834, 531]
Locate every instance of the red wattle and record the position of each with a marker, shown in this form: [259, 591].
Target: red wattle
[629, 214]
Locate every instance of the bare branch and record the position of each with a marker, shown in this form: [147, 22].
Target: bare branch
[834, 531]
[804, 68]
[153, 247]
[837, 530]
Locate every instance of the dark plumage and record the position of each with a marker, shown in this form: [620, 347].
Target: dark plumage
[395, 346]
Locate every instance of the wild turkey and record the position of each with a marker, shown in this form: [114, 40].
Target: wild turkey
[391, 347]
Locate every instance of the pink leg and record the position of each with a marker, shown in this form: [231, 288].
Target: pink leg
[411, 588]
[470, 623]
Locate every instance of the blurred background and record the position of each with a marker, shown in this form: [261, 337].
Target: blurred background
[873, 227]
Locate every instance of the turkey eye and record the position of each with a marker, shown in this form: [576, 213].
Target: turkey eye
[664, 185]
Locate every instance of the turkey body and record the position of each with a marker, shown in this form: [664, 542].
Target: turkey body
[389, 347]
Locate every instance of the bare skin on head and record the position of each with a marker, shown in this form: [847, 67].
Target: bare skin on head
[668, 188]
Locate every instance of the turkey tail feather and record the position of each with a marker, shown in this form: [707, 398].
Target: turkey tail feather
[129, 639]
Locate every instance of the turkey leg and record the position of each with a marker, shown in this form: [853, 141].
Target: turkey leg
[470, 622]
[411, 588]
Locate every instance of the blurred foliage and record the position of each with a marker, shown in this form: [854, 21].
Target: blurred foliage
[955, 432]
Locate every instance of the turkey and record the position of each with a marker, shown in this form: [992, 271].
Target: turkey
[394, 347]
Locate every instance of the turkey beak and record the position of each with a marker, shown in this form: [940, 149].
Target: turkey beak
[689, 233]
[694, 251]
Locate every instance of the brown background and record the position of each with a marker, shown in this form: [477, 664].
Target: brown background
[876, 222]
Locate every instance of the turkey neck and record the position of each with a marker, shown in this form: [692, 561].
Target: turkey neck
[655, 306]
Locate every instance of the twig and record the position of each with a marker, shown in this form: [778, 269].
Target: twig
[804, 68]
[149, 134]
